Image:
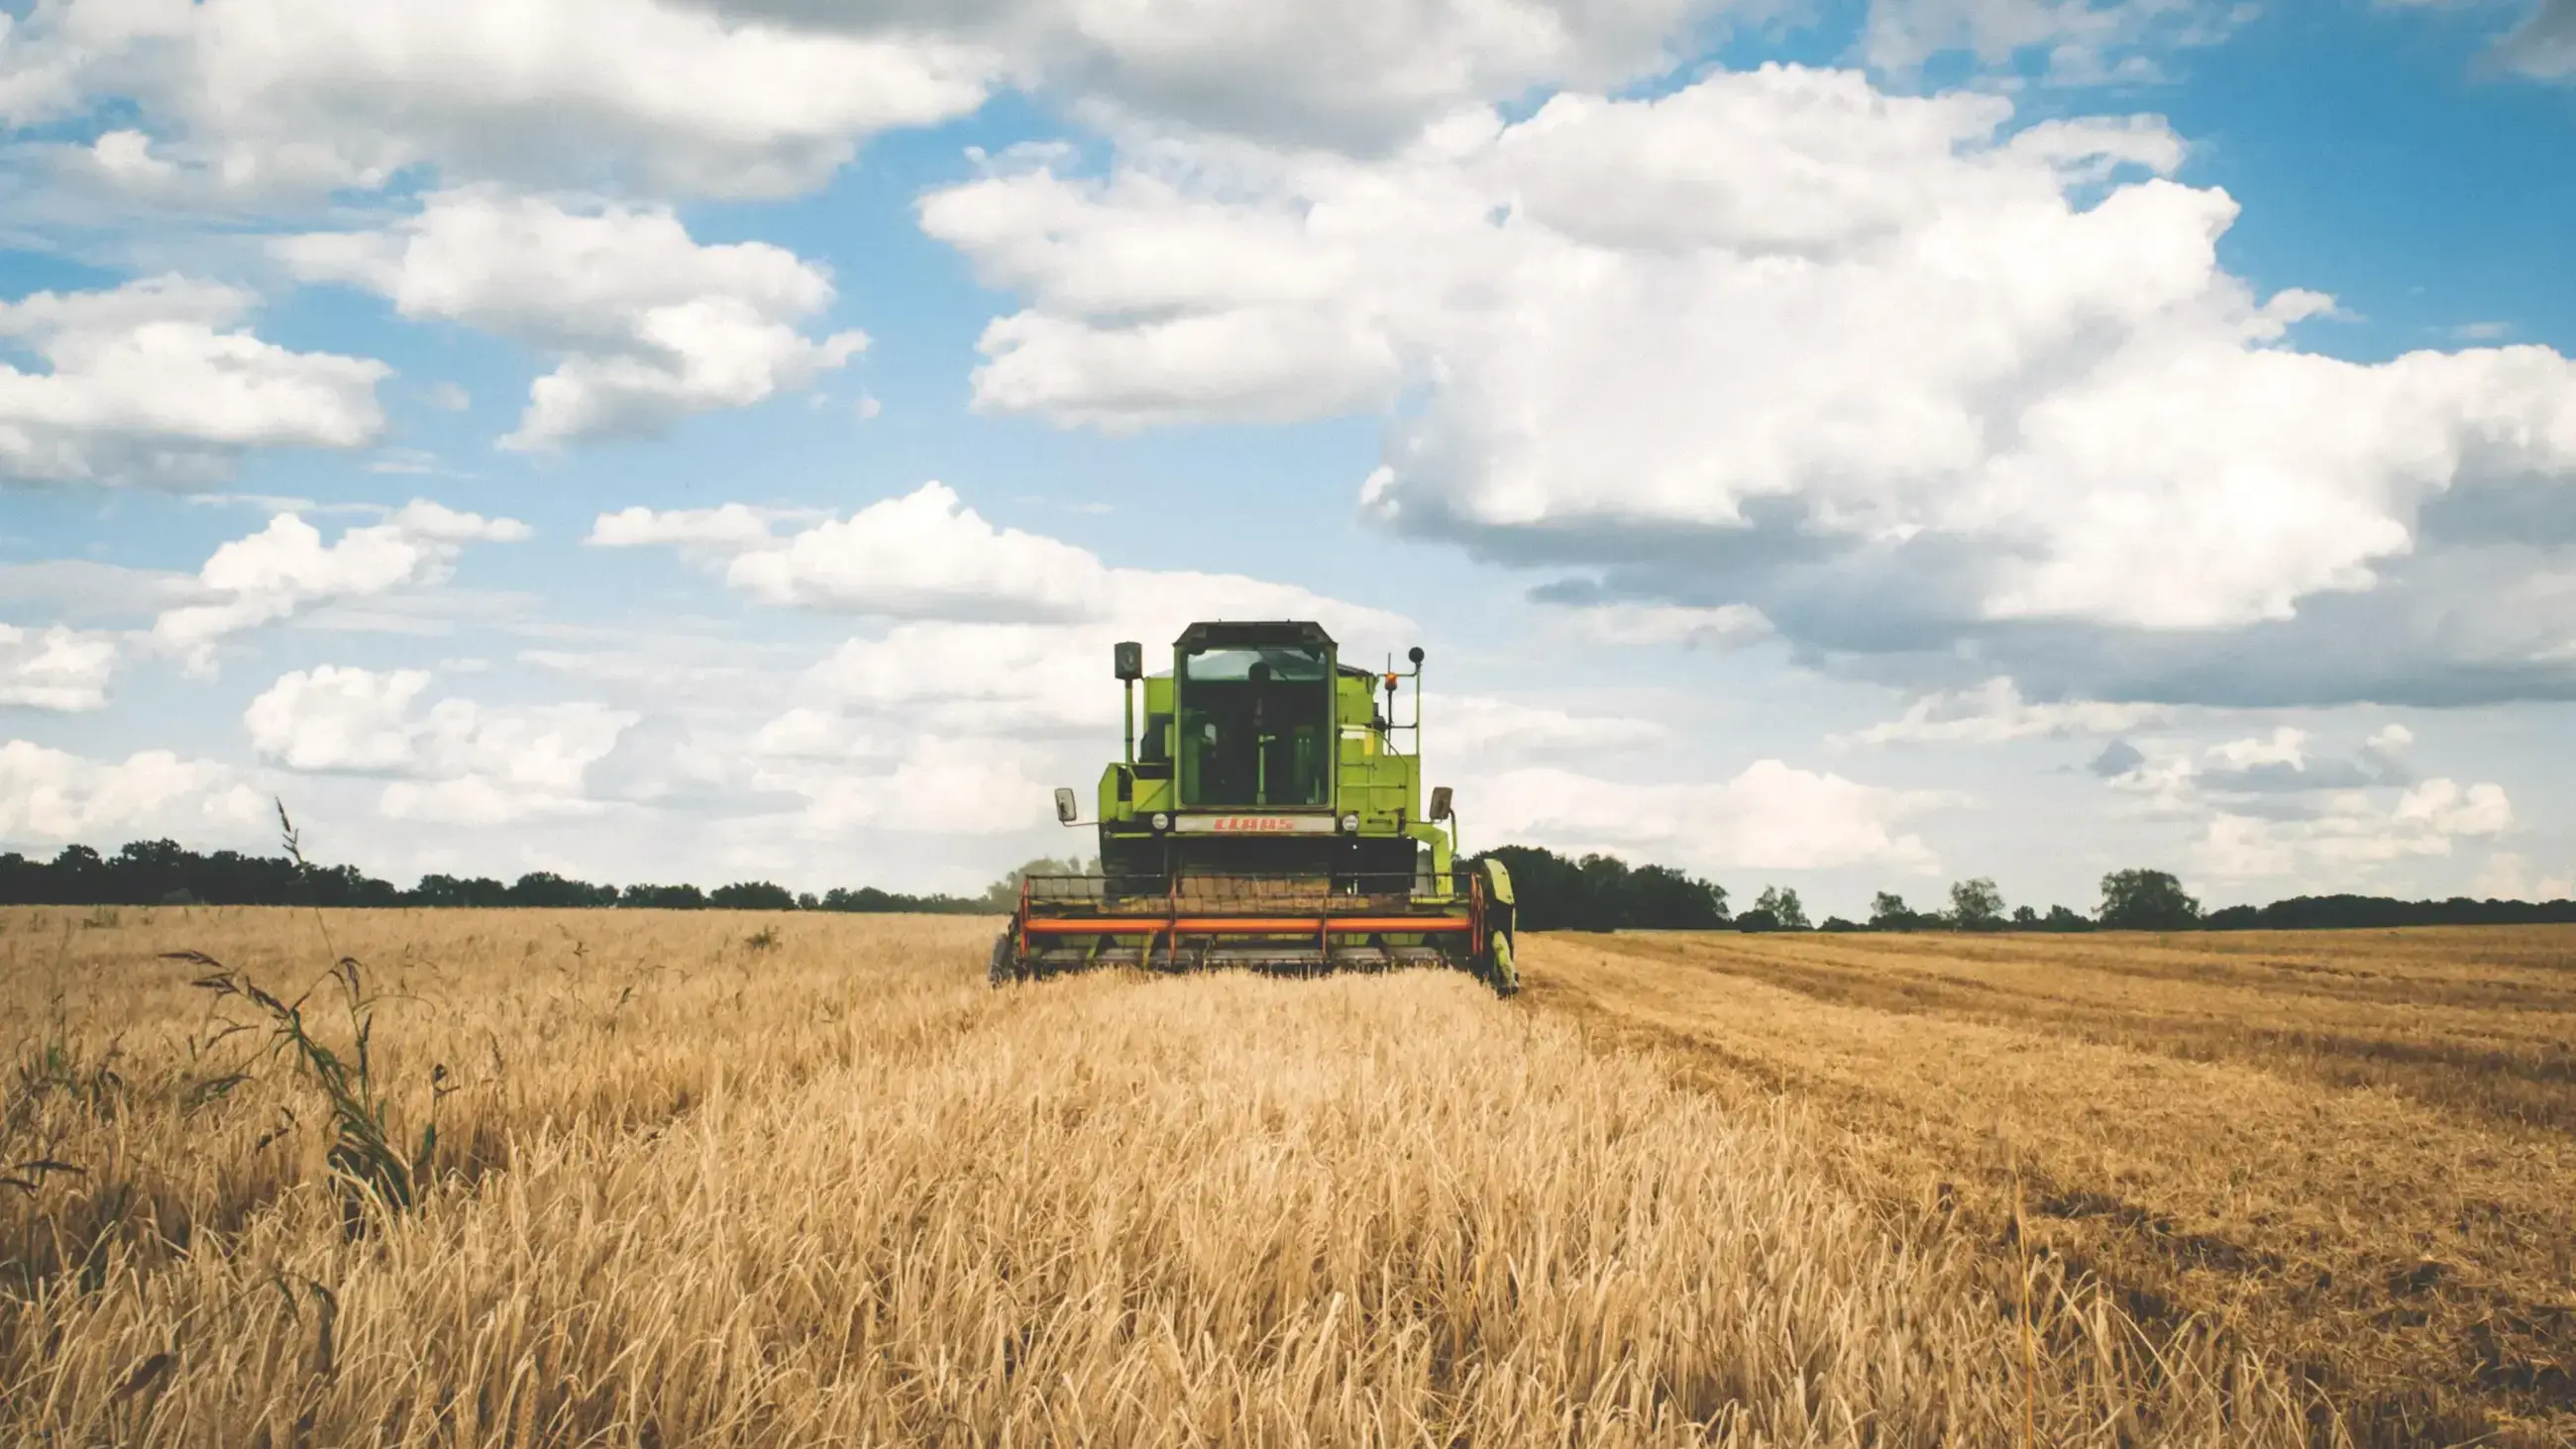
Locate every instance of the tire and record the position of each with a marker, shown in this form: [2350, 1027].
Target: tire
[1499, 969]
[1005, 966]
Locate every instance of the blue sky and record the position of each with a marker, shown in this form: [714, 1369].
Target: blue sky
[1851, 447]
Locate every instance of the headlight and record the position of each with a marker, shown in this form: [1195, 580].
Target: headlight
[1351, 824]
[1162, 821]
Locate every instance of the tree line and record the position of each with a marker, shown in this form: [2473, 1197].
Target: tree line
[163, 872]
[1603, 893]
[1554, 892]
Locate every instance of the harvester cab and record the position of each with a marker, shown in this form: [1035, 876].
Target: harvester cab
[1269, 815]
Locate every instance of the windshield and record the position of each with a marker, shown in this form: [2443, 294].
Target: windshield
[1256, 726]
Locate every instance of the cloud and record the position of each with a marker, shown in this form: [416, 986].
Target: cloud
[1914, 385]
[1727, 626]
[56, 668]
[729, 528]
[303, 96]
[971, 632]
[1356, 76]
[2068, 42]
[337, 719]
[979, 653]
[2510, 876]
[1996, 712]
[286, 567]
[1771, 816]
[459, 762]
[1495, 732]
[927, 556]
[984, 679]
[934, 784]
[2117, 758]
[647, 325]
[156, 381]
[2543, 46]
[47, 794]
[294, 98]
[2256, 773]
[2272, 806]
[2353, 833]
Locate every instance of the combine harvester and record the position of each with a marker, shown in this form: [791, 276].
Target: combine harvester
[1269, 820]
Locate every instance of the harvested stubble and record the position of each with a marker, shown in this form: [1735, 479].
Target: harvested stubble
[832, 1190]
[2352, 1148]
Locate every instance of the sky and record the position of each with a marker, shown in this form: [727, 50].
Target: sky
[1851, 447]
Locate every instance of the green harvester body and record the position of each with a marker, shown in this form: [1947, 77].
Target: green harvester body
[1270, 815]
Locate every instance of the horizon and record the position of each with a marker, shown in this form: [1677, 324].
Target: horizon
[1848, 448]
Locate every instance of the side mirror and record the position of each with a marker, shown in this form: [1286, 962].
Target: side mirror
[1066, 807]
[1130, 657]
[1439, 802]
[1414, 654]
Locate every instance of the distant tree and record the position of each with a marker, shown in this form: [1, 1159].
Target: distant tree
[1660, 898]
[868, 900]
[663, 898]
[2025, 919]
[346, 885]
[1004, 894]
[77, 861]
[1975, 905]
[545, 888]
[1837, 924]
[448, 890]
[1783, 905]
[1889, 912]
[1757, 919]
[1602, 893]
[808, 901]
[2059, 918]
[755, 895]
[2147, 900]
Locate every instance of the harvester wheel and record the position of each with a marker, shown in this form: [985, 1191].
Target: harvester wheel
[1005, 966]
[1506, 979]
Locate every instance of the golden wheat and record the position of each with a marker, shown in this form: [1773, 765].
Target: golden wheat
[697, 1184]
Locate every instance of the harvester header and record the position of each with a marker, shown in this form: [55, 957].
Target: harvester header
[1269, 814]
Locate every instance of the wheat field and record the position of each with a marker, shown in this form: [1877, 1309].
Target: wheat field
[648, 1178]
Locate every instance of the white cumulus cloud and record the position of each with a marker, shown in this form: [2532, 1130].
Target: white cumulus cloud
[728, 528]
[458, 761]
[57, 668]
[1726, 626]
[1995, 712]
[157, 381]
[927, 556]
[1883, 368]
[337, 719]
[924, 555]
[646, 324]
[933, 784]
[2353, 833]
[1357, 74]
[1770, 816]
[286, 567]
[299, 96]
[2072, 42]
[48, 794]
[1495, 732]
